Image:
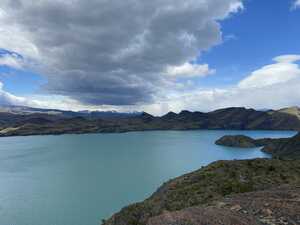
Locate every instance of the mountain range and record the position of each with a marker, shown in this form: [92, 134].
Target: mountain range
[18, 120]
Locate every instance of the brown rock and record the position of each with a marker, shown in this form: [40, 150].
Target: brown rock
[282, 210]
[236, 208]
[203, 216]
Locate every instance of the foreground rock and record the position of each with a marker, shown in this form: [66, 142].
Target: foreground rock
[284, 148]
[274, 206]
[210, 185]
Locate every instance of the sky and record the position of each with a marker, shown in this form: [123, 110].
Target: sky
[155, 56]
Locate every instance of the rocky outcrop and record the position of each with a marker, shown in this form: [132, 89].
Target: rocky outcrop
[274, 206]
[188, 196]
[284, 148]
[202, 216]
[240, 141]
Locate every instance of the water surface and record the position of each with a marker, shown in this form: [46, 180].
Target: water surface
[81, 179]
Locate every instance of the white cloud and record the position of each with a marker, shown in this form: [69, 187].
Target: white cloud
[40, 101]
[283, 70]
[236, 7]
[271, 94]
[287, 58]
[13, 38]
[272, 97]
[10, 99]
[189, 70]
[11, 60]
[273, 86]
[111, 52]
[296, 4]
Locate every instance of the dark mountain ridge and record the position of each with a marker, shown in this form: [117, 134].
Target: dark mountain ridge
[235, 118]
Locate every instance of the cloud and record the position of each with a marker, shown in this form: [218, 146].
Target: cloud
[262, 92]
[296, 4]
[40, 101]
[111, 52]
[12, 37]
[236, 7]
[11, 59]
[10, 99]
[188, 70]
[272, 86]
[283, 70]
[287, 58]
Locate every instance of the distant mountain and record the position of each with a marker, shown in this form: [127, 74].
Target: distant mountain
[31, 121]
[24, 110]
[292, 111]
[237, 118]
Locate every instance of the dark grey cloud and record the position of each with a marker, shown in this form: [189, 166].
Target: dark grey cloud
[113, 52]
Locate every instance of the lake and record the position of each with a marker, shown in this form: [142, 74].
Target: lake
[81, 179]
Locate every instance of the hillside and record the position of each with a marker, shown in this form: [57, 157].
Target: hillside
[285, 148]
[210, 185]
[272, 206]
[37, 122]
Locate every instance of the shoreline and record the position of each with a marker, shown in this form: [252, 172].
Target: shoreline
[142, 130]
[210, 186]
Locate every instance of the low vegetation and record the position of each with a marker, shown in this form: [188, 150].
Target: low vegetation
[210, 184]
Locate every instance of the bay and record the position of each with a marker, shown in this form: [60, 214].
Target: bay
[82, 179]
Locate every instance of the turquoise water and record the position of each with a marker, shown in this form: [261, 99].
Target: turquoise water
[81, 179]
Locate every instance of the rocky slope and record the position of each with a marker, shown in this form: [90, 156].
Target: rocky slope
[285, 148]
[230, 118]
[273, 206]
[185, 200]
